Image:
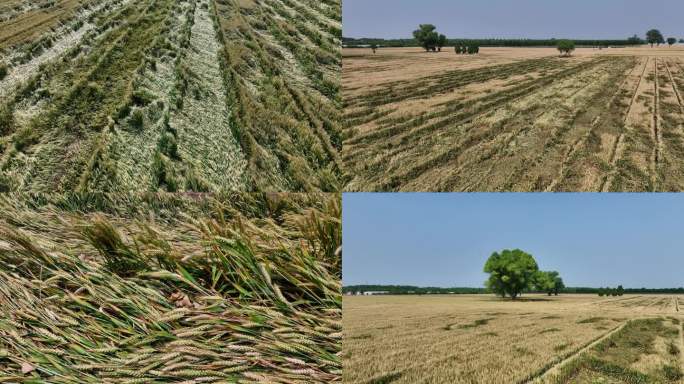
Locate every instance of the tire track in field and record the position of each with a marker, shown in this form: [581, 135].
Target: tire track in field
[674, 87]
[618, 148]
[537, 85]
[657, 139]
[517, 175]
[579, 142]
[505, 144]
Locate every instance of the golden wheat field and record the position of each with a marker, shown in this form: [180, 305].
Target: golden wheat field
[514, 119]
[484, 339]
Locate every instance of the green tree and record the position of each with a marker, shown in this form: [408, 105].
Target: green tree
[441, 42]
[654, 37]
[558, 284]
[544, 282]
[426, 36]
[634, 40]
[620, 290]
[565, 47]
[671, 41]
[510, 272]
[601, 292]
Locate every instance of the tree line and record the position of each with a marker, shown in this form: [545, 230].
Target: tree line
[427, 37]
[405, 43]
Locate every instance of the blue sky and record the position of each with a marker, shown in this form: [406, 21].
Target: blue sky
[579, 19]
[423, 239]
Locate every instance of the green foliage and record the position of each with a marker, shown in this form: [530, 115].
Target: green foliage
[549, 282]
[654, 36]
[441, 42]
[3, 70]
[427, 36]
[142, 98]
[620, 291]
[671, 41]
[137, 120]
[6, 119]
[565, 47]
[634, 40]
[511, 272]
[167, 145]
[473, 49]
[24, 138]
[544, 282]
[119, 258]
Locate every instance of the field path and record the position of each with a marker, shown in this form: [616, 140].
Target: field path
[580, 142]
[554, 369]
[204, 122]
[657, 133]
[619, 147]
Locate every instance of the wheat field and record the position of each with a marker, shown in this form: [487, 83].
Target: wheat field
[241, 288]
[514, 119]
[165, 95]
[486, 340]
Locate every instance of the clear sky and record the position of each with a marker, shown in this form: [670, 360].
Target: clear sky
[636, 240]
[578, 19]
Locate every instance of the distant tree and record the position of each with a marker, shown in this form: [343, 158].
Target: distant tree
[441, 42]
[620, 290]
[681, 41]
[565, 47]
[510, 272]
[601, 292]
[654, 37]
[374, 47]
[426, 36]
[671, 41]
[634, 40]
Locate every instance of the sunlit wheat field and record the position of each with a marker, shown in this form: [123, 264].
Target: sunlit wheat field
[514, 119]
[536, 339]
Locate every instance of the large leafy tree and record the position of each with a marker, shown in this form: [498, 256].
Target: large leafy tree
[427, 36]
[655, 37]
[510, 272]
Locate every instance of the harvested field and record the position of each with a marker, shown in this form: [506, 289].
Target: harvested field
[170, 288]
[162, 95]
[514, 119]
[486, 340]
